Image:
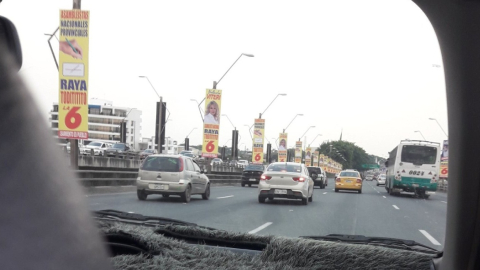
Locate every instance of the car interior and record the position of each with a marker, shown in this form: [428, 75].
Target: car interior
[46, 222]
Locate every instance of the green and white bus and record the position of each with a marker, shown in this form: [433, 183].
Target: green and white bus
[413, 166]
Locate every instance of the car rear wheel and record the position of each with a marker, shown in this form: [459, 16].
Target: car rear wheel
[186, 195]
[243, 184]
[311, 198]
[305, 201]
[360, 191]
[336, 190]
[322, 185]
[165, 195]
[142, 196]
[206, 195]
[261, 199]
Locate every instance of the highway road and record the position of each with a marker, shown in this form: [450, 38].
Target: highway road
[372, 213]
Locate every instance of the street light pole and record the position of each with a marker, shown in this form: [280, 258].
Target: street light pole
[260, 116]
[199, 110]
[418, 131]
[292, 121]
[160, 110]
[439, 126]
[306, 132]
[314, 139]
[191, 132]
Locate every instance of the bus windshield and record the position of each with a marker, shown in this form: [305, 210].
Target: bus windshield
[419, 155]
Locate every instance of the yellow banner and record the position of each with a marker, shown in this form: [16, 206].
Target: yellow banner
[308, 156]
[73, 74]
[258, 137]
[315, 159]
[298, 152]
[211, 123]
[282, 147]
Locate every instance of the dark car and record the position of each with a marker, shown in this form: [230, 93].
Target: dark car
[317, 176]
[118, 149]
[147, 152]
[251, 174]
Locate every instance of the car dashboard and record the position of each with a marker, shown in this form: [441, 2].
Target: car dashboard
[171, 246]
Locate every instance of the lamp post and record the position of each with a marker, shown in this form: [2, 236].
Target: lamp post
[314, 139]
[199, 110]
[260, 116]
[439, 126]
[187, 140]
[160, 127]
[300, 114]
[418, 131]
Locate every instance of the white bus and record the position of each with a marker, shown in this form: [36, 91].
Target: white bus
[413, 166]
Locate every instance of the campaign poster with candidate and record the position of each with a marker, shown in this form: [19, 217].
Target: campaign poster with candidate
[258, 137]
[211, 123]
[315, 159]
[282, 147]
[298, 152]
[308, 156]
[444, 160]
[73, 74]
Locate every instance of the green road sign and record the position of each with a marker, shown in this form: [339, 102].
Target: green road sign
[370, 166]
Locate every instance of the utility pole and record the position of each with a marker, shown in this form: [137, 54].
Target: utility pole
[74, 150]
[160, 110]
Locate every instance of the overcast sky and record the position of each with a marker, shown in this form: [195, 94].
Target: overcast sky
[364, 66]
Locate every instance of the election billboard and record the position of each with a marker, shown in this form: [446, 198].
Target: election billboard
[444, 160]
[258, 137]
[73, 74]
[298, 152]
[308, 156]
[211, 123]
[282, 147]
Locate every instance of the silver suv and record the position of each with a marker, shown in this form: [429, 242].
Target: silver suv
[171, 175]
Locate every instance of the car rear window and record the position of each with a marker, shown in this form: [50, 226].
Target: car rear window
[284, 168]
[161, 164]
[254, 168]
[313, 169]
[349, 174]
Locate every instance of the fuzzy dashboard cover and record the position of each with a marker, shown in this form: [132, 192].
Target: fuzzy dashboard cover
[280, 252]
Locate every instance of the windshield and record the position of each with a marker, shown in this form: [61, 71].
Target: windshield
[118, 146]
[95, 144]
[349, 174]
[282, 167]
[254, 168]
[419, 154]
[277, 88]
[162, 164]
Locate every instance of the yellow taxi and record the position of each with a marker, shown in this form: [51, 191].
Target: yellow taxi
[348, 180]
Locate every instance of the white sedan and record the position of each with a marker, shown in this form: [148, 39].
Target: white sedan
[286, 180]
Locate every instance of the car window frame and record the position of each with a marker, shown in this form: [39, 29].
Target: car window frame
[189, 163]
[195, 166]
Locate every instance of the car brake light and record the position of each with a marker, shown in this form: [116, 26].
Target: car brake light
[338, 179]
[265, 177]
[298, 179]
[181, 165]
[359, 180]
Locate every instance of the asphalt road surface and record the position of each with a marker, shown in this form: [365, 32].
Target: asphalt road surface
[372, 213]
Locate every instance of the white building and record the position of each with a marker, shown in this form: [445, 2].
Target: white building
[170, 144]
[104, 122]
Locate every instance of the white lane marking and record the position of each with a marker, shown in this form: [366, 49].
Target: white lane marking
[396, 207]
[260, 228]
[384, 197]
[225, 197]
[324, 193]
[429, 237]
[131, 212]
[444, 201]
[378, 191]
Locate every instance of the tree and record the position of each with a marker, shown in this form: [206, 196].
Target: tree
[354, 155]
